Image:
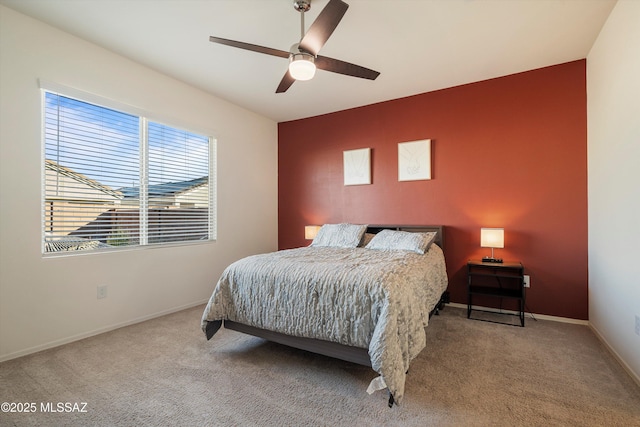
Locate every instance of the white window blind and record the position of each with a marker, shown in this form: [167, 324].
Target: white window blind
[113, 179]
[178, 185]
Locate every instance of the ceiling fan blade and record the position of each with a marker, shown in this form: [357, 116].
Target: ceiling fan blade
[323, 26]
[285, 83]
[249, 46]
[342, 67]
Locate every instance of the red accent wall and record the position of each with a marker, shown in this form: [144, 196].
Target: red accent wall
[508, 152]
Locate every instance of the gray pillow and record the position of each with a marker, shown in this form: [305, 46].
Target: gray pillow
[339, 235]
[387, 240]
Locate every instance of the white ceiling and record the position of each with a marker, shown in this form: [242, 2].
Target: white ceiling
[417, 45]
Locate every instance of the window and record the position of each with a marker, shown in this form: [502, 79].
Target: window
[114, 179]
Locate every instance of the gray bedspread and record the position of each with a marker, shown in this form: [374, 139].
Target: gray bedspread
[359, 297]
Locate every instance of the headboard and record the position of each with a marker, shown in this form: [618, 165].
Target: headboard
[439, 229]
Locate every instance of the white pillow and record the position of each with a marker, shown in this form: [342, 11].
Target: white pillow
[339, 235]
[387, 240]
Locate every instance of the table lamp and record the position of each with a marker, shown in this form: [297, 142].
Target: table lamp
[492, 238]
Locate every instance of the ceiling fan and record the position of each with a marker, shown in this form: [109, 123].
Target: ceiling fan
[303, 56]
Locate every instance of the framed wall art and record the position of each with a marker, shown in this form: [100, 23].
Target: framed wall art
[414, 160]
[357, 166]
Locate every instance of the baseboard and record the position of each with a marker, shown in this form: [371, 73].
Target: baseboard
[99, 331]
[616, 356]
[529, 315]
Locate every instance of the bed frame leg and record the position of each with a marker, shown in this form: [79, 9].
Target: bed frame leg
[212, 328]
[444, 299]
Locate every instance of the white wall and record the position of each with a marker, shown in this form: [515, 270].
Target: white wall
[613, 91]
[49, 301]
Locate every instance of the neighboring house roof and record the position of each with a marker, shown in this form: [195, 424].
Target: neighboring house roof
[71, 243]
[166, 189]
[53, 166]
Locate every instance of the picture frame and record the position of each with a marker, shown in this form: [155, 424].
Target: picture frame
[414, 160]
[357, 166]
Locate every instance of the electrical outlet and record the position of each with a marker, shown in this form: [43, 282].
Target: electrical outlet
[102, 291]
[527, 281]
[637, 325]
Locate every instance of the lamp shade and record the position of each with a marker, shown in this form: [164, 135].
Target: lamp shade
[311, 231]
[492, 237]
[302, 66]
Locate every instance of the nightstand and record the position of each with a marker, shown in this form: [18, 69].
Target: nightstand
[503, 280]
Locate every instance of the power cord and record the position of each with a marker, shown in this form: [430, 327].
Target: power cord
[527, 309]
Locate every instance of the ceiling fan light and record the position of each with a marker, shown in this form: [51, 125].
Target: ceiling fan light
[302, 66]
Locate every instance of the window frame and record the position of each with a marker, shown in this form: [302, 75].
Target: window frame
[144, 118]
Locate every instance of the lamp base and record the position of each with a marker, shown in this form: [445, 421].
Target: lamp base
[491, 259]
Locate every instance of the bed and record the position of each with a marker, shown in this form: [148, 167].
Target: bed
[366, 303]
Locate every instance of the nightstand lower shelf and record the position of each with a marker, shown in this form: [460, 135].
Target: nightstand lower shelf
[519, 314]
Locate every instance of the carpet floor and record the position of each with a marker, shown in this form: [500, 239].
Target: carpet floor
[473, 373]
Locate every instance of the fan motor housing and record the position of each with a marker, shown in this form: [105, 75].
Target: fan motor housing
[302, 5]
